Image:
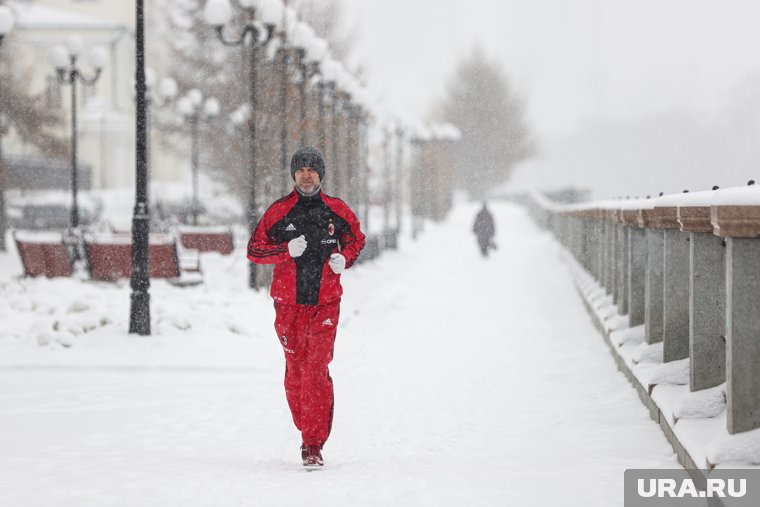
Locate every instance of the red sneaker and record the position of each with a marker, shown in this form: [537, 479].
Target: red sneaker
[312, 456]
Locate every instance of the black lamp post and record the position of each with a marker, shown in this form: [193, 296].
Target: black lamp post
[334, 98]
[251, 36]
[325, 86]
[321, 132]
[65, 62]
[355, 148]
[194, 109]
[6, 25]
[306, 71]
[155, 99]
[284, 53]
[139, 311]
[420, 141]
[310, 50]
[399, 174]
[364, 124]
[351, 138]
[387, 177]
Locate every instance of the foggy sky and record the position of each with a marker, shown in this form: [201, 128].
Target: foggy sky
[648, 71]
[571, 58]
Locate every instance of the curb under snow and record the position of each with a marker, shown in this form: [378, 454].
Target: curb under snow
[693, 422]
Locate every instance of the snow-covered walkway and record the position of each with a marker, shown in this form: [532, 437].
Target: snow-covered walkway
[459, 381]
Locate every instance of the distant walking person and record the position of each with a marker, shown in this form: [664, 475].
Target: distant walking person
[484, 230]
[311, 238]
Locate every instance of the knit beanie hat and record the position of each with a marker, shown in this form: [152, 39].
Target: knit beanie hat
[308, 156]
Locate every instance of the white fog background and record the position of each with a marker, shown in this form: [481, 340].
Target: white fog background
[625, 97]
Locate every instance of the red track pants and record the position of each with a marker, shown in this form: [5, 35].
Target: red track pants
[307, 335]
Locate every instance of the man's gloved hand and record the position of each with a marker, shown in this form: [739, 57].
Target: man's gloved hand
[297, 246]
[337, 263]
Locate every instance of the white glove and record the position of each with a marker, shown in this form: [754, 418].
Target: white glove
[297, 246]
[337, 263]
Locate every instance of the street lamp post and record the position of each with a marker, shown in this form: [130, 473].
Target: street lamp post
[351, 137]
[310, 50]
[399, 174]
[387, 179]
[364, 125]
[139, 310]
[326, 84]
[284, 64]
[6, 25]
[65, 62]
[321, 133]
[162, 97]
[418, 196]
[334, 97]
[252, 35]
[190, 107]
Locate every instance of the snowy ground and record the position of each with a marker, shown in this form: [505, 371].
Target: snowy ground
[459, 381]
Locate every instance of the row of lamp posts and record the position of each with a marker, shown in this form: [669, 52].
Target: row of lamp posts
[66, 62]
[7, 21]
[196, 109]
[256, 29]
[252, 35]
[258, 22]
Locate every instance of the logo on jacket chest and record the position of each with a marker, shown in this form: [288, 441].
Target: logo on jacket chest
[331, 232]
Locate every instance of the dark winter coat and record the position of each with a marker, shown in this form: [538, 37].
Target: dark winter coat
[484, 227]
[329, 226]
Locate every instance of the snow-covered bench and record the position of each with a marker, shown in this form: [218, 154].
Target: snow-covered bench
[109, 258]
[43, 254]
[207, 238]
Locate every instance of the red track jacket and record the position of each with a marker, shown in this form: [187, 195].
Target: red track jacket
[329, 226]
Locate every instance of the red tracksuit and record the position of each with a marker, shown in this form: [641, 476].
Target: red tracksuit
[307, 297]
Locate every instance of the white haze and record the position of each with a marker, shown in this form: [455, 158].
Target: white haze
[626, 98]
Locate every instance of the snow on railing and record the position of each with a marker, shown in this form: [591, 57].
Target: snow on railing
[679, 274]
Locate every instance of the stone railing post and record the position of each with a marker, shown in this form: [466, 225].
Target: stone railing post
[621, 261]
[675, 280]
[585, 238]
[604, 278]
[735, 215]
[653, 282]
[636, 265]
[707, 289]
[600, 245]
[611, 253]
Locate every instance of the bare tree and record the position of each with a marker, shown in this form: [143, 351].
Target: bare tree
[491, 117]
[199, 60]
[26, 116]
[327, 18]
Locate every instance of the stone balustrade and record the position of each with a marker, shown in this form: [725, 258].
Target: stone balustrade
[685, 266]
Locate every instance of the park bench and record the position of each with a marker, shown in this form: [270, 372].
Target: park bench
[207, 238]
[43, 254]
[109, 258]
